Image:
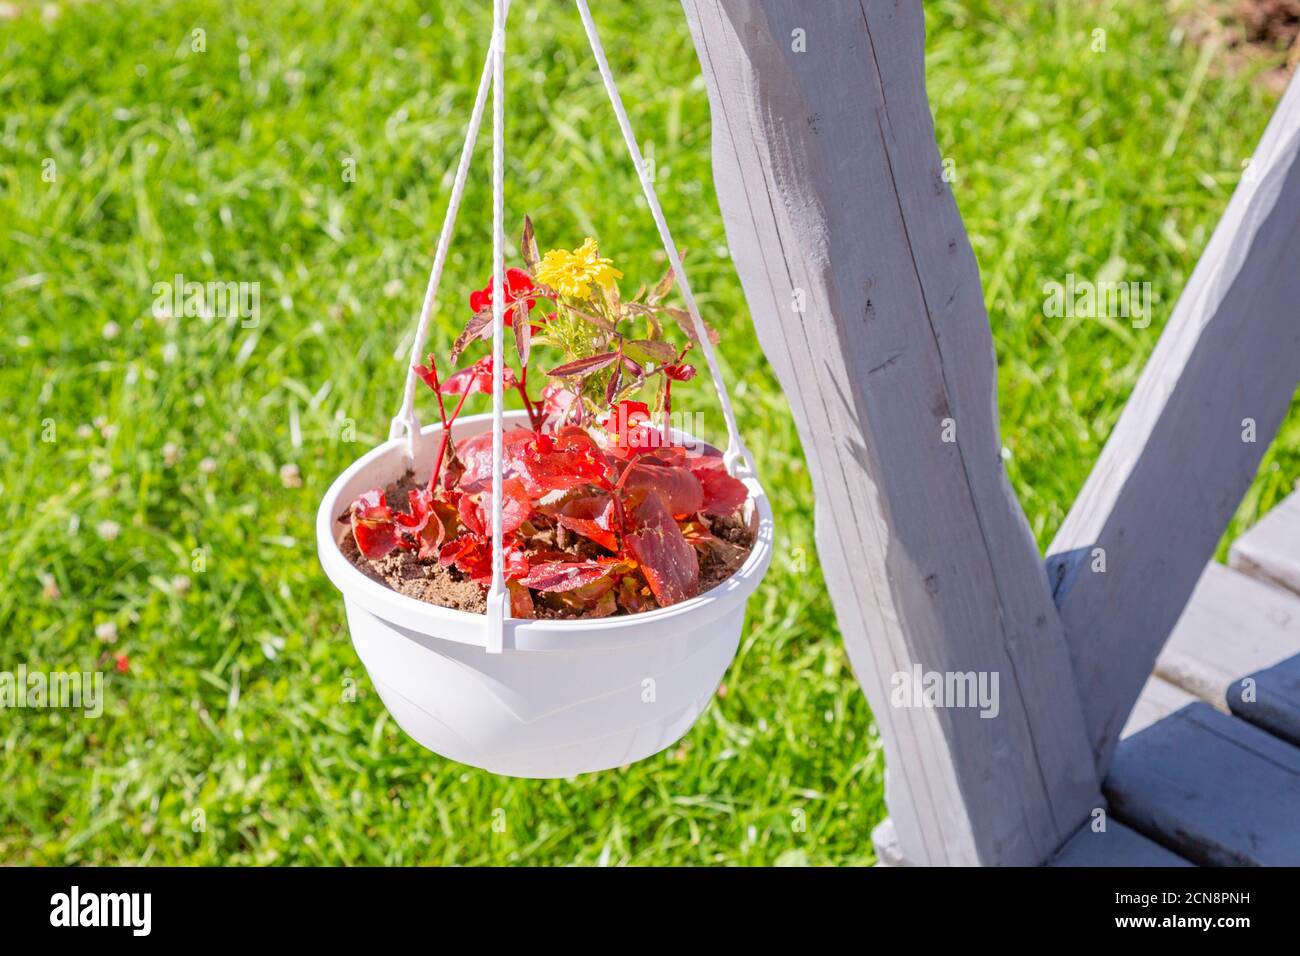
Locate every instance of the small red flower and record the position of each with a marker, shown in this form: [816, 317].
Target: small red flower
[123, 663]
[519, 285]
[629, 425]
[625, 415]
[680, 373]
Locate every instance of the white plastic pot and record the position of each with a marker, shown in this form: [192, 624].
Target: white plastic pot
[564, 697]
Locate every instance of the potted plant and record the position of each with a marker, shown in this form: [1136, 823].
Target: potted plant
[629, 550]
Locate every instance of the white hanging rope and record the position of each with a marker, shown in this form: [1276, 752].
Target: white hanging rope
[496, 597]
[737, 456]
[406, 419]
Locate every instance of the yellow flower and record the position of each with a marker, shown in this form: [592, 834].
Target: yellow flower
[573, 273]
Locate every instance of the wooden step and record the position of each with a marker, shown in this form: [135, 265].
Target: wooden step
[1216, 789]
[1117, 845]
[1270, 699]
[1234, 625]
[1270, 550]
[1158, 699]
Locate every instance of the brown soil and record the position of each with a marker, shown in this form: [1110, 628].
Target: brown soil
[1249, 34]
[427, 580]
[1271, 23]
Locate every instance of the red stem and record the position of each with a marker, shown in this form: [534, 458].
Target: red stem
[532, 408]
[446, 438]
[668, 409]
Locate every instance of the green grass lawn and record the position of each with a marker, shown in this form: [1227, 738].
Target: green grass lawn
[230, 738]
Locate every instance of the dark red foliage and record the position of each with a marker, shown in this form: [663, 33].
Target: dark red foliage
[592, 516]
[641, 510]
[682, 491]
[476, 511]
[665, 556]
[723, 494]
[472, 555]
[475, 455]
[373, 525]
[569, 458]
[567, 575]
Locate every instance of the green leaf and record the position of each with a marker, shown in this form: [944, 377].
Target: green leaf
[647, 350]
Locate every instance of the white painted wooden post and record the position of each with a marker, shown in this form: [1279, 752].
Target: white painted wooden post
[866, 297]
[1189, 441]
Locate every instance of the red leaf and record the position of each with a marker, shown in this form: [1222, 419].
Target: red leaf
[428, 373]
[471, 555]
[443, 522]
[584, 366]
[471, 515]
[567, 575]
[667, 559]
[475, 454]
[723, 494]
[592, 517]
[681, 490]
[680, 373]
[372, 525]
[413, 522]
[479, 326]
[614, 384]
[521, 600]
[516, 564]
[567, 459]
[515, 512]
[477, 378]
[591, 600]
[523, 334]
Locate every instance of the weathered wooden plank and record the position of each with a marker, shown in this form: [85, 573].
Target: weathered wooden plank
[1158, 700]
[1117, 845]
[1270, 550]
[1189, 440]
[1232, 625]
[1270, 699]
[1216, 789]
[866, 297]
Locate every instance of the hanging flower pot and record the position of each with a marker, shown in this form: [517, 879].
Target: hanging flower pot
[564, 696]
[557, 589]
